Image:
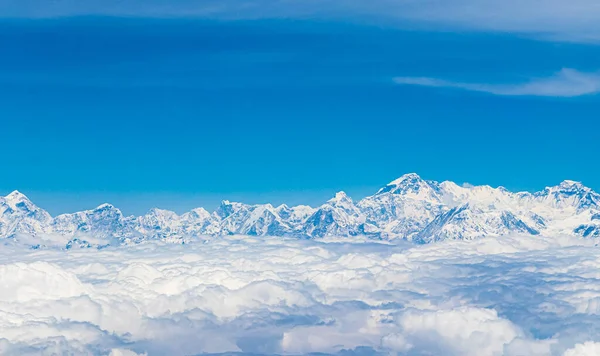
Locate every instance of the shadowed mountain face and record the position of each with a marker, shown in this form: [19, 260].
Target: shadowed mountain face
[407, 208]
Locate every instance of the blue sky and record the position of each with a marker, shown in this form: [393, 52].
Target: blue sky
[162, 109]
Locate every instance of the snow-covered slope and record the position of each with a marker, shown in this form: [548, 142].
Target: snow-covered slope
[408, 208]
[19, 215]
[338, 217]
[467, 222]
[405, 206]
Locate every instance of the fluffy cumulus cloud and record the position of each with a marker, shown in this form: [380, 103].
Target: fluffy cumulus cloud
[500, 296]
[585, 349]
[566, 83]
[567, 20]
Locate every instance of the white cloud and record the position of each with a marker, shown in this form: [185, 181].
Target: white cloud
[498, 296]
[466, 330]
[566, 83]
[585, 349]
[570, 20]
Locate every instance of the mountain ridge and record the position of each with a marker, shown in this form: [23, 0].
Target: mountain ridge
[409, 207]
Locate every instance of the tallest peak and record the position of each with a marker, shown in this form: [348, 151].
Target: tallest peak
[410, 184]
[18, 200]
[405, 177]
[339, 196]
[569, 183]
[16, 195]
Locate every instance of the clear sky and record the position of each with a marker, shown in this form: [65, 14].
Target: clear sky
[162, 109]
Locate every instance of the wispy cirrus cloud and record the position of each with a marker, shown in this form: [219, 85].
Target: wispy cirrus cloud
[575, 20]
[566, 83]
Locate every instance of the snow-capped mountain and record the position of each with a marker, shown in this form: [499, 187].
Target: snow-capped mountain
[404, 206]
[467, 222]
[104, 221]
[567, 195]
[409, 207]
[19, 215]
[338, 217]
[237, 218]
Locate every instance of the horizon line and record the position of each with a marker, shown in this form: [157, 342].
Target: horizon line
[464, 185]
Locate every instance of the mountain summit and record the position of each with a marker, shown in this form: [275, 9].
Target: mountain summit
[409, 208]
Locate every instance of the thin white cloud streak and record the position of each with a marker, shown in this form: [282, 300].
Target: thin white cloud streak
[566, 83]
[575, 20]
[489, 297]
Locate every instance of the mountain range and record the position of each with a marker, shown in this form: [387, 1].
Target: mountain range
[410, 208]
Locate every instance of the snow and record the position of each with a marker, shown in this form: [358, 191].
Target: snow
[509, 295]
[403, 178]
[408, 208]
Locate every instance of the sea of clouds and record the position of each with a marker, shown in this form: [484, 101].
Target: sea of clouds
[496, 296]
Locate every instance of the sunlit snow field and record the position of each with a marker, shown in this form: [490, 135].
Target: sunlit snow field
[495, 296]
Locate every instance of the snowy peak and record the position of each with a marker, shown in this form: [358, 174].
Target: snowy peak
[571, 184]
[406, 178]
[341, 199]
[104, 208]
[412, 186]
[407, 183]
[162, 212]
[569, 188]
[105, 211]
[339, 196]
[15, 196]
[158, 219]
[467, 222]
[342, 202]
[408, 208]
[481, 195]
[19, 202]
[338, 217]
[18, 215]
[228, 208]
[196, 214]
[569, 194]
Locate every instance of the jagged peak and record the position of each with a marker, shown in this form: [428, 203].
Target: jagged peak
[199, 210]
[268, 206]
[339, 197]
[408, 200]
[301, 207]
[406, 177]
[566, 186]
[228, 208]
[196, 213]
[16, 196]
[158, 211]
[18, 201]
[105, 206]
[412, 184]
[231, 203]
[567, 183]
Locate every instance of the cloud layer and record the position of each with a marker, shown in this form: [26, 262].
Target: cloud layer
[566, 83]
[570, 20]
[506, 296]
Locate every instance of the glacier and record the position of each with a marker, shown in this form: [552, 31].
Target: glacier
[408, 208]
